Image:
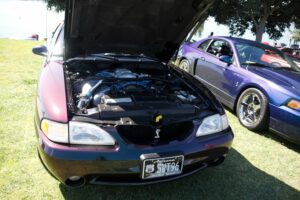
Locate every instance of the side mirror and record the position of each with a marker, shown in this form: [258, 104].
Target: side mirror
[40, 50]
[226, 59]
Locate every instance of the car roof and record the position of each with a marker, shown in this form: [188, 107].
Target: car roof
[241, 40]
[233, 39]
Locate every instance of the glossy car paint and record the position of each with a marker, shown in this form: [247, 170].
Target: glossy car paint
[51, 98]
[121, 163]
[227, 82]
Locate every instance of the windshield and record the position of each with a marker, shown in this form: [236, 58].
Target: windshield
[295, 60]
[263, 56]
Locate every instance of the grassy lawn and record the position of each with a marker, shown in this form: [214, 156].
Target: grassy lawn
[260, 166]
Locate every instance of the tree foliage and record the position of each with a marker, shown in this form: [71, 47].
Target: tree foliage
[260, 16]
[58, 5]
[296, 35]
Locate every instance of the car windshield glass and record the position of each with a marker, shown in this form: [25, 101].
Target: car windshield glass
[295, 60]
[263, 56]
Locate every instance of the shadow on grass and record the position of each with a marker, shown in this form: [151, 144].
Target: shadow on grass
[236, 178]
[277, 138]
[274, 136]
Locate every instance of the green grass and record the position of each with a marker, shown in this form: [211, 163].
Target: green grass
[259, 166]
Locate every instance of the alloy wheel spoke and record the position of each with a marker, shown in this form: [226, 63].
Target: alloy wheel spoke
[256, 109]
[249, 119]
[254, 117]
[253, 98]
[245, 104]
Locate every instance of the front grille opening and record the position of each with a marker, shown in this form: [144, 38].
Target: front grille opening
[146, 135]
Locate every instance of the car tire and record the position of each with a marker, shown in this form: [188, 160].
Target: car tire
[253, 110]
[184, 65]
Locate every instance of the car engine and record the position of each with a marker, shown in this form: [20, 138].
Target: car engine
[122, 90]
[143, 97]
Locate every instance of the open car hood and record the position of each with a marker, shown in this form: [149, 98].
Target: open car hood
[151, 27]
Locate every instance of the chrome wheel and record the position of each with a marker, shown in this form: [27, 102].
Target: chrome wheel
[250, 109]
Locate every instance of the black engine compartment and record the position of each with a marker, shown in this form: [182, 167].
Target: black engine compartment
[130, 93]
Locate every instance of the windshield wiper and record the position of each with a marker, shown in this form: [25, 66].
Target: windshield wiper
[108, 57]
[91, 58]
[137, 56]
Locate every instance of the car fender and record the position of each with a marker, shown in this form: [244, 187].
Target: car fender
[244, 86]
[276, 94]
[185, 53]
[51, 98]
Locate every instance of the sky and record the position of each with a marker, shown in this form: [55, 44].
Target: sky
[19, 19]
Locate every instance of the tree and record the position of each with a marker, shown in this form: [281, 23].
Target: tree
[296, 35]
[58, 5]
[296, 20]
[260, 16]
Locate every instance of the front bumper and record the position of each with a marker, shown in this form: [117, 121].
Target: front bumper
[285, 122]
[121, 165]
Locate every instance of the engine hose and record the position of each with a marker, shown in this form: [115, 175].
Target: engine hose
[85, 100]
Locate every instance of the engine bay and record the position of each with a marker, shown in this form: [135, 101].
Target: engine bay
[130, 93]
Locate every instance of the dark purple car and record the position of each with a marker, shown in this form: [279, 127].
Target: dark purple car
[257, 81]
[110, 110]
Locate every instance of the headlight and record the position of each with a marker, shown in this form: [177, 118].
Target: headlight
[212, 124]
[57, 132]
[84, 133]
[294, 104]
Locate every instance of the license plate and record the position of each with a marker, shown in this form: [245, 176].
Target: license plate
[160, 167]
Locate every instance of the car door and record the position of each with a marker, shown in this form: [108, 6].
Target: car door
[217, 75]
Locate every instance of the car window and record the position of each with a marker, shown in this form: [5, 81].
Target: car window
[58, 48]
[54, 36]
[295, 60]
[263, 56]
[220, 48]
[56, 44]
[203, 46]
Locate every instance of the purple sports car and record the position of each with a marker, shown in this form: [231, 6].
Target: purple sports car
[257, 81]
[110, 110]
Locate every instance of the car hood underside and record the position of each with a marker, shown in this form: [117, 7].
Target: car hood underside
[151, 27]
